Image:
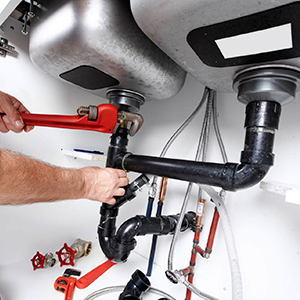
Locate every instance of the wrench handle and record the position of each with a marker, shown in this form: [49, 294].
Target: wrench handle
[90, 277]
[106, 120]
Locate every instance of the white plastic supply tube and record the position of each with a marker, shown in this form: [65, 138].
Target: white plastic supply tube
[236, 278]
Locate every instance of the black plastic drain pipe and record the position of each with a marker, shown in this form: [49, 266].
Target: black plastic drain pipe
[136, 286]
[118, 245]
[262, 118]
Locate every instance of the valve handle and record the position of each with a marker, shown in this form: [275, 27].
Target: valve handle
[66, 255]
[38, 261]
[90, 277]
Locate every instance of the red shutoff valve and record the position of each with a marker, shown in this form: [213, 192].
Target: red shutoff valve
[78, 249]
[39, 261]
[66, 255]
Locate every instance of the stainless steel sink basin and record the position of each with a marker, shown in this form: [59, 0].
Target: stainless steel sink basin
[214, 39]
[96, 45]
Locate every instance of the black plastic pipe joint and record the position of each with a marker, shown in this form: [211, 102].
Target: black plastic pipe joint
[117, 245]
[262, 119]
[136, 286]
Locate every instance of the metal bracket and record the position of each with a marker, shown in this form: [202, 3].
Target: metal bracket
[6, 48]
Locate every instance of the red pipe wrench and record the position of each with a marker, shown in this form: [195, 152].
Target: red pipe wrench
[104, 121]
[66, 284]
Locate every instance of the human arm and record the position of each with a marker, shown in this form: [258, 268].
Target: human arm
[25, 180]
[12, 119]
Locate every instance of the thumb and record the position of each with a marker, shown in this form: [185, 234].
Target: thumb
[15, 119]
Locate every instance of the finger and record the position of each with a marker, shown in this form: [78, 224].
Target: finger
[19, 106]
[11, 100]
[119, 192]
[21, 109]
[28, 128]
[111, 201]
[12, 113]
[122, 173]
[3, 127]
[123, 181]
[15, 127]
[118, 172]
[12, 107]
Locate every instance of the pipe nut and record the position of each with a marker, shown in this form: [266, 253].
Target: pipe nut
[277, 83]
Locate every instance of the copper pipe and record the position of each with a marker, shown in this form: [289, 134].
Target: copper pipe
[163, 189]
[212, 232]
[200, 213]
[199, 223]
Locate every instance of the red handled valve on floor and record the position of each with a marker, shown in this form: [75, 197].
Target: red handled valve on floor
[66, 255]
[39, 261]
[66, 284]
[79, 248]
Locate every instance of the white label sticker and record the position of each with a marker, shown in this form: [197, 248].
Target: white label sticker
[261, 41]
[200, 209]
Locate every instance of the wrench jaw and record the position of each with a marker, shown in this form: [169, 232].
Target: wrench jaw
[131, 121]
[90, 110]
[128, 104]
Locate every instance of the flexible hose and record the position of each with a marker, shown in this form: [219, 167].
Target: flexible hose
[201, 145]
[162, 154]
[211, 109]
[237, 289]
[201, 151]
[197, 292]
[120, 288]
[175, 236]
[233, 259]
[217, 131]
[185, 124]
[182, 127]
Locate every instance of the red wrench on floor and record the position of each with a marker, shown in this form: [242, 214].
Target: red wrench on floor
[102, 118]
[66, 284]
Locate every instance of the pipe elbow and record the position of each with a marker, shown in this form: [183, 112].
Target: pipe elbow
[247, 175]
[129, 229]
[114, 250]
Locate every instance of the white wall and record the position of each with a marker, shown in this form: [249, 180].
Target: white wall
[266, 228]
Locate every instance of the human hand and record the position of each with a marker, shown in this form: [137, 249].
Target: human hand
[12, 119]
[103, 184]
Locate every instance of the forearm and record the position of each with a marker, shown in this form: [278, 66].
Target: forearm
[24, 180]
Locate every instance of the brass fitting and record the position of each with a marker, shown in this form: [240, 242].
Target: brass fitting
[200, 213]
[82, 248]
